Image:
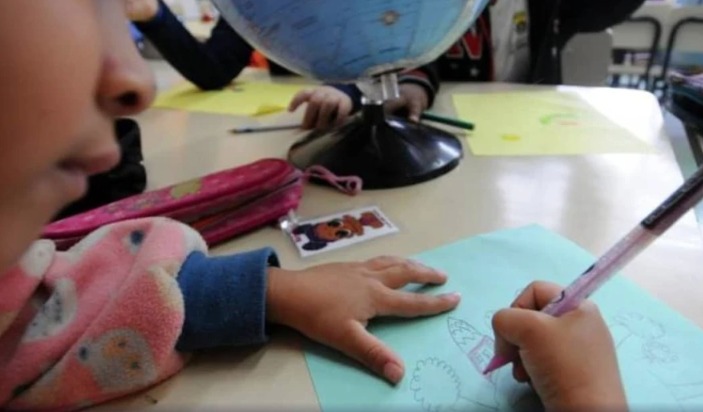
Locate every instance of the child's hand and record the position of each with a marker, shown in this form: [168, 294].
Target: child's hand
[333, 303]
[141, 10]
[413, 100]
[570, 361]
[326, 106]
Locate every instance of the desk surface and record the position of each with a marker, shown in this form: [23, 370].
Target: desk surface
[592, 200]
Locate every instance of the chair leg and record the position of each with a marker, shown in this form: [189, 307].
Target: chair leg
[671, 43]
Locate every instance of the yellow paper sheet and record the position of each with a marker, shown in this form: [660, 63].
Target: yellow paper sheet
[245, 98]
[541, 123]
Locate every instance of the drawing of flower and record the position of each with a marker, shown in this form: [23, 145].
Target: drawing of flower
[435, 385]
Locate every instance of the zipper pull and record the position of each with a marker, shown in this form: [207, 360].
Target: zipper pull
[350, 185]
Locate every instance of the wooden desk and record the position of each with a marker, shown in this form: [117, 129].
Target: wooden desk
[591, 199]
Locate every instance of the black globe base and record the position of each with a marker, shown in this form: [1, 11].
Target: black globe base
[384, 151]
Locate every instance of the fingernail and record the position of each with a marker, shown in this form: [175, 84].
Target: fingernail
[451, 296]
[393, 372]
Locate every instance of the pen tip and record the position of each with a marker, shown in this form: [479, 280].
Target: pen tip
[495, 363]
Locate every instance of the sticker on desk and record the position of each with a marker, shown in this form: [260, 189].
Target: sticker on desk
[340, 230]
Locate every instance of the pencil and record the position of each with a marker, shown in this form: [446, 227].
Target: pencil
[646, 232]
[263, 129]
[447, 120]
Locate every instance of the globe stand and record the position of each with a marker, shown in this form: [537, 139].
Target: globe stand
[384, 151]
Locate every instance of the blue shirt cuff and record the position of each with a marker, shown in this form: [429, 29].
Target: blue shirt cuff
[225, 299]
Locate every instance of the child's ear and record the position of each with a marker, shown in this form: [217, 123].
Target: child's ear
[312, 246]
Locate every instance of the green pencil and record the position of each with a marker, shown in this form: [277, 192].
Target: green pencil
[447, 120]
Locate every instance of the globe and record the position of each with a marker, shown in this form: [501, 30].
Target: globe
[349, 40]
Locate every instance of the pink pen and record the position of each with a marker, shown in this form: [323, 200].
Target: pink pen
[656, 223]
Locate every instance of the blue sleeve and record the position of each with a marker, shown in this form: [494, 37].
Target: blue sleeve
[225, 299]
[210, 65]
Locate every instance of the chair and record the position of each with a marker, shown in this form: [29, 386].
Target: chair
[646, 31]
[585, 59]
[686, 35]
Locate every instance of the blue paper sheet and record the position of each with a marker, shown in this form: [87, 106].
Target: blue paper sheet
[444, 355]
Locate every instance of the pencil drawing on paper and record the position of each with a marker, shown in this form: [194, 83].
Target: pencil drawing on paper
[437, 387]
[634, 325]
[635, 330]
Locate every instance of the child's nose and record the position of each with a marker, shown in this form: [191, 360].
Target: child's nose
[127, 85]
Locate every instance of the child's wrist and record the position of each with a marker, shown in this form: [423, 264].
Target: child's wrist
[272, 287]
[276, 292]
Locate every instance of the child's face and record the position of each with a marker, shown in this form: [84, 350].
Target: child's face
[68, 68]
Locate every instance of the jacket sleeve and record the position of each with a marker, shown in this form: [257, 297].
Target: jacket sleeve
[119, 311]
[426, 76]
[210, 65]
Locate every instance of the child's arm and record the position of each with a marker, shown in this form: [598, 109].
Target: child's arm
[570, 361]
[210, 65]
[96, 322]
[116, 313]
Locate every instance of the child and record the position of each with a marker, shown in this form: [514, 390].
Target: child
[210, 65]
[121, 310]
[518, 41]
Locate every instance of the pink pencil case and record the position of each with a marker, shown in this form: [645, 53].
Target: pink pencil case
[219, 206]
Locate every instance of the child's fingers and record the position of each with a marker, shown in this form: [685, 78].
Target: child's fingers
[411, 305]
[518, 328]
[300, 98]
[406, 272]
[312, 112]
[537, 295]
[310, 117]
[415, 109]
[392, 106]
[386, 261]
[327, 111]
[359, 344]
[344, 108]
[519, 372]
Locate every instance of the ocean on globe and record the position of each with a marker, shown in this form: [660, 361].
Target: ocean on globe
[350, 40]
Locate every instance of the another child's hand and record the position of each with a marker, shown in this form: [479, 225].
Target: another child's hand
[141, 10]
[570, 361]
[413, 100]
[326, 106]
[333, 303]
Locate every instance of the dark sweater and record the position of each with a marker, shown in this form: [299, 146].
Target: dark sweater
[552, 23]
[210, 65]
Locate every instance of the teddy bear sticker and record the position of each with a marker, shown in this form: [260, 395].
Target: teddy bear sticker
[340, 230]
